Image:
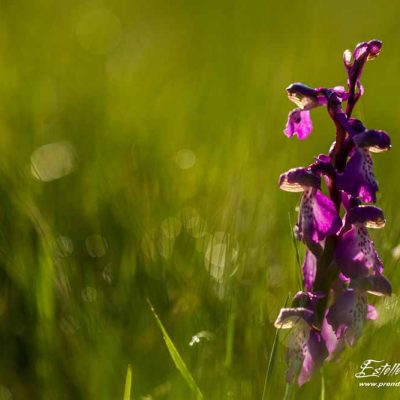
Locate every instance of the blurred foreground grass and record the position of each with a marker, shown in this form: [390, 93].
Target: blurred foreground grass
[140, 148]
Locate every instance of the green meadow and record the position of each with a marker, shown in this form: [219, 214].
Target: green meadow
[141, 223]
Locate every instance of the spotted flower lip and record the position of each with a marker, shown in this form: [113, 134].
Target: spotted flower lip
[318, 217]
[358, 179]
[355, 254]
[347, 315]
[297, 179]
[315, 353]
[370, 216]
[375, 141]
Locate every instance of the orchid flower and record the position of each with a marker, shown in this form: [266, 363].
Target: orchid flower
[341, 265]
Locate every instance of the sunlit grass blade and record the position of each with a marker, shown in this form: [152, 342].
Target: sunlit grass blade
[128, 383]
[299, 277]
[287, 394]
[271, 360]
[176, 357]
[322, 385]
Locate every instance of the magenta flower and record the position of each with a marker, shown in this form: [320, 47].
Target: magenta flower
[306, 347]
[299, 123]
[341, 267]
[348, 314]
[355, 252]
[358, 178]
[299, 120]
[318, 217]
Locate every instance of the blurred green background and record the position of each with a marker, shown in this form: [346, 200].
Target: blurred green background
[162, 124]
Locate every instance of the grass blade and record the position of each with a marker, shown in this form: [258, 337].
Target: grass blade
[128, 383]
[271, 360]
[176, 357]
[296, 248]
[322, 385]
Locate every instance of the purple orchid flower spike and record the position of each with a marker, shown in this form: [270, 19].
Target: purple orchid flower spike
[341, 266]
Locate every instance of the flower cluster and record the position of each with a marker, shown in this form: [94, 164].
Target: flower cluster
[341, 265]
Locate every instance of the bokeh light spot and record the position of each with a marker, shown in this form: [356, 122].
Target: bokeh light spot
[219, 253]
[171, 227]
[89, 294]
[185, 158]
[96, 245]
[53, 161]
[64, 246]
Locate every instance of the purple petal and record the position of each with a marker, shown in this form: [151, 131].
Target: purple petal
[318, 217]
[348, 59]
[303, 96]
[356, 125]
[370, 216]
[315, 355]
[375, 47]
[374, 140]
[309, 270]
[333, 345]
[355, 254]
[347, 315]
[299, 123]
[362, 53]
[376, 284]
[360, 50]
[323, 165]
[306, 299]
[372, 314]
[341, 92]
[346, 200]
[358, 178]
[323, 158]
[296, 179]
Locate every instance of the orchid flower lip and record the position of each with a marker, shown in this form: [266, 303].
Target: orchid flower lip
[299, 123]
